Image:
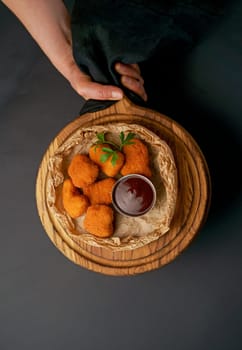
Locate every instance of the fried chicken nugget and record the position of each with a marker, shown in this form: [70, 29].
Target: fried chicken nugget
[82, 170]
[100, 192]
[136, 159]
[99, 220]
[109, 169]
[74, 202]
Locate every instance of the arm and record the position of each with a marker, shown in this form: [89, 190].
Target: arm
[48, 22]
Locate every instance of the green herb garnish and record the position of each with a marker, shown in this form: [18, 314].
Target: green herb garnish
[126, 140]
[110, 152]
[101, 139]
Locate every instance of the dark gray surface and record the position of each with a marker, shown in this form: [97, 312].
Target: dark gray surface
[47, 302]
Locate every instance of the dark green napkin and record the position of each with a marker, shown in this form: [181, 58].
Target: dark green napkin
[105, 32]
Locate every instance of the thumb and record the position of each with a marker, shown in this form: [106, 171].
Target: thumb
[96, 91]
[84, 86]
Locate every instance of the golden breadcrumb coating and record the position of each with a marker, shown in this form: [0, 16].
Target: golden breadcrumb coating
[100, 192]
[82, 170]
[74, 202]
[109, 169]
[99, 220]
[136, 159]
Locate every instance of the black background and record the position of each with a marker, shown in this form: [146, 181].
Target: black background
[46, 301]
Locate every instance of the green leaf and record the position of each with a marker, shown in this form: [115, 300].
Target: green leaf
[129, 137]
[110, 152]
[101, 137]
[114, 158]
[104, 157]
[107, 150]
[121, 136]
[126, 140]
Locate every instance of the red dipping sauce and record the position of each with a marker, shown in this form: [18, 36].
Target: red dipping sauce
[133, 195]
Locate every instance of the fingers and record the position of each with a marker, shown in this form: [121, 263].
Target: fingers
[130, 70]
[131, 78]
[88, 89]
[135, 86]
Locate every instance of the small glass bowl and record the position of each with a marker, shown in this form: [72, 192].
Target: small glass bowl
[133, 195]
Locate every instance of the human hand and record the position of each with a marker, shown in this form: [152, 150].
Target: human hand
[87, 88]
[131, 78]
[54, 38]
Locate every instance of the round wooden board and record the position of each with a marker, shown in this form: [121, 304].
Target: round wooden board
[194, 193]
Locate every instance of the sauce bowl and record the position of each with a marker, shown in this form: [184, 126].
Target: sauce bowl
[133, 195]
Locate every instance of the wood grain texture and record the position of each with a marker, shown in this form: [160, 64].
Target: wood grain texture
[194, 194]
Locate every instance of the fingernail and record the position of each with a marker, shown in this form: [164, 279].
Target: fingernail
[117, 94]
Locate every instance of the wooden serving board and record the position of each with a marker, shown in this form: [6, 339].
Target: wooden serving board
[194, 193]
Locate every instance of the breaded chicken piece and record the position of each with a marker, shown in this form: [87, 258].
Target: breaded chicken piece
[100, 192]
[95, 152]
[109, 169]
[74, 202]
[99, 220]
[82, 170]
[136, 159]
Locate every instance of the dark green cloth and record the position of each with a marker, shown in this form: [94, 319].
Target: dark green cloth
[129, 31]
